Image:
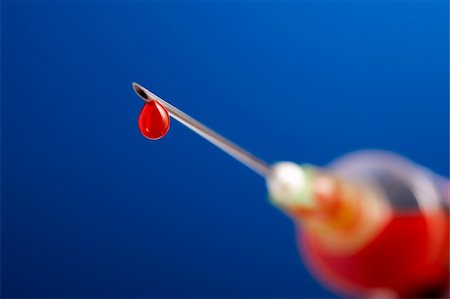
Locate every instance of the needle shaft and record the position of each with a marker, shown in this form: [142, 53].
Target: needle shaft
[221, 142]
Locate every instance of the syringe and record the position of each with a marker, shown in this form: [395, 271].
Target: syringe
[356, 217]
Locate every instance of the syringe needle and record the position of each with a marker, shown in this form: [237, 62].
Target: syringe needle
[221, 142]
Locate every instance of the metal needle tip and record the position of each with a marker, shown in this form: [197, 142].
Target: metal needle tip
[218, 140]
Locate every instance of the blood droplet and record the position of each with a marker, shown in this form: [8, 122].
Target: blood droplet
[154, 120]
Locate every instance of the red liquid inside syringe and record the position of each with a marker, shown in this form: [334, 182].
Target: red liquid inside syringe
[408, 257]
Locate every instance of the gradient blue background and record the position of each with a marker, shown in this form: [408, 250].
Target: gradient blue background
[90, 208]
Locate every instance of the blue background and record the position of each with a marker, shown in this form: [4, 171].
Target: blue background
[90, 208]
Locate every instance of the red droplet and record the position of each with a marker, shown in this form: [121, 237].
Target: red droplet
[154, 120]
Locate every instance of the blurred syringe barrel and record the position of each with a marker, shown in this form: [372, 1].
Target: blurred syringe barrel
[371, 223]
